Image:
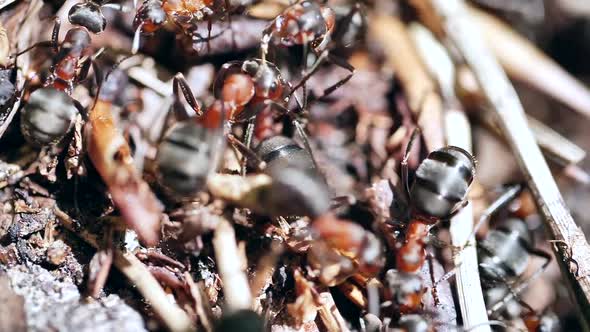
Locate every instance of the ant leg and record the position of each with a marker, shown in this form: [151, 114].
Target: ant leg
[136, 39]
[298, 127]
[45, 43]
[525, 283]
[89, 61]
[209, 27]
[81, 109]
[179, 84]
[433, 280]
[404, 163]
[55, 34]
[510, 194]
[249, 155]
[303, 135]
[309, 73]
[341, 63]
[335, 60]
[53, 43]
[247, 143]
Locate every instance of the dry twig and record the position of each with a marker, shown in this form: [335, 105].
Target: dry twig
[526, 63]
[458, 133]
[419, 88]
[575, 252]
[235, 283]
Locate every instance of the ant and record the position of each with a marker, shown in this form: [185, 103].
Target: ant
[190, 149]
[311, 25]
[88, 13]
[73, 58]
[251, 89]
[49, 112]
[506, 251]
[153, 14]
[437, 193]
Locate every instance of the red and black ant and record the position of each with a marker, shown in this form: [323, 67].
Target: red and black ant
[73, 58]
[311, 25]
[49, 112]
[153, 14]
[252, 89]
[437, 193]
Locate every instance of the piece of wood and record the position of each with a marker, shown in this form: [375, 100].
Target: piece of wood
[470, 294]
[458, 133]
[571, 246]
[229, 264]
[551, 142]
[111, 155]
[420, 90]
[526, 63]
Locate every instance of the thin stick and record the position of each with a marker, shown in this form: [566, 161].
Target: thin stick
[458, 133]
[173, 317]
[526, 63]
[418, 86]
[229, 265]
[574, 251]
[554, 145]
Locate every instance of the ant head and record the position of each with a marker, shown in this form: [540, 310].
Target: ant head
[267, 78]
[303, 22]
[238, 89]
[88, 15]
[150, 17]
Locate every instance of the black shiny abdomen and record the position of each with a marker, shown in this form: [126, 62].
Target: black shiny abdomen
[502, 253]
[47, 116]
[88, 15]
[297, 187]
[281, 152]
[186, 157]
[441, 181]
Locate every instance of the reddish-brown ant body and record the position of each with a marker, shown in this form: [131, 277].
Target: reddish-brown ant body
[352, 241]
[73, 58]
[250, 91]
[246, 87]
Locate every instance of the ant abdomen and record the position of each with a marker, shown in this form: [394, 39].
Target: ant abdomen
[281, 152]
[442, 181]
[184, 158]
[47, 116]
[503, 252]
[88, 15]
